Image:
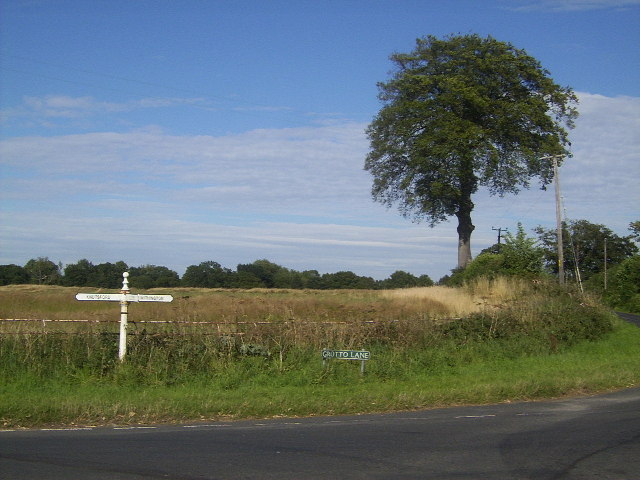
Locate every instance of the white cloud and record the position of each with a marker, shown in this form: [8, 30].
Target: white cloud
[266, 169]
[297, 196]
[598, 184]
[62, 108]
[602, 179]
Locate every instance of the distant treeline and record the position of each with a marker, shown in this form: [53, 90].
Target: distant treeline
[259, 274]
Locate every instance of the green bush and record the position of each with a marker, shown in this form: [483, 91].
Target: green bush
[521, 255]
[623, 285]
[560, 322]
[487, 265]
[518, 256]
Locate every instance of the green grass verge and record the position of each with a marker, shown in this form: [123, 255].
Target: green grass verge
[256, 386]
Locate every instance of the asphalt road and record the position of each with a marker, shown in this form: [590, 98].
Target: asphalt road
[630, 317]
[585, 438]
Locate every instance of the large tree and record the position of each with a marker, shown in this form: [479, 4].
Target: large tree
[43, 271]
[208, 274]
[459, 113]
[152, 276]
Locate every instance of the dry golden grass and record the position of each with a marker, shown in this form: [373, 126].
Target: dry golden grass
[220, 305]
[447, 302]
[256, 313]
[438, 302]
[499, 290]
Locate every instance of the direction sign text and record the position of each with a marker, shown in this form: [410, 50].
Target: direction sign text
[346, 354]
[119, 297]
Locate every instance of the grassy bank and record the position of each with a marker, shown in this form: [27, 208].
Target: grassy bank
[508, 342]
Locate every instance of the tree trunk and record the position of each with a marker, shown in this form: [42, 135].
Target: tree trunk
[468, 186]
[465, 228]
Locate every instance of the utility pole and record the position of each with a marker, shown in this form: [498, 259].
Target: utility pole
[499, 230]
[558, 216]
[605, 264]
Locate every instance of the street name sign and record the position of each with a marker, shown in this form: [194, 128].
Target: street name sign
[152, 298]
[346, 354]
[361, 355]
[124, 297]
[105, 297]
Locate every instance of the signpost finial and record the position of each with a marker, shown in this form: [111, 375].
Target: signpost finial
[125, 282]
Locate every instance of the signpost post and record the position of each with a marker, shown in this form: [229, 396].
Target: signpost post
[361, 355]
[124, 297]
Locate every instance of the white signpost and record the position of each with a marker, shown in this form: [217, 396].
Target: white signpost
[124, 297]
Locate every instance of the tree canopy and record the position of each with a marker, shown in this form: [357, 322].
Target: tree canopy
[459, 113]
[259, 274]
[584, 244]
[42, 271]
[85, 273]
[149, 276]
[635, 230]
[13, 274]
[206, 275]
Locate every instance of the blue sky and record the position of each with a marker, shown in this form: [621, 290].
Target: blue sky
[171, 133]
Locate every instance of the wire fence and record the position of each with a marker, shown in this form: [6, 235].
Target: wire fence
[175, 322]
[220, 328]
[45, 326]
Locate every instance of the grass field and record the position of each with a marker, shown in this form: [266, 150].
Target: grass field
[229, 354]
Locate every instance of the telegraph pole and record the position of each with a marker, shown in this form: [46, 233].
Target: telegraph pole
[605, 264]
[499, 230]
[558, 216]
